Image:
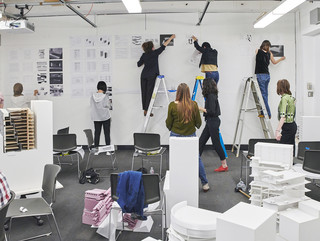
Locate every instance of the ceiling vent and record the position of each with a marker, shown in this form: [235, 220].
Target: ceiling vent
[315, 16]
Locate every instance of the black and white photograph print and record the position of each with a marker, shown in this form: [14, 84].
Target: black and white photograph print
[56, 78]
[55, 53]
[56, 90]
[42, 78]
[165, 37]
[277, 50]
[55, 66]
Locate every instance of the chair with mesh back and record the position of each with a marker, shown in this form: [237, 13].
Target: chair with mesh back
[63, 131]
[108, 150]
[64, 146]
[3, 214]
[37, 206]
[152, 190]
[147, 145]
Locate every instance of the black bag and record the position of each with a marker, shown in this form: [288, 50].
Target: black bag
[89, 176]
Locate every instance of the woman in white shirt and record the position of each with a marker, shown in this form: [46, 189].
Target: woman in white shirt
[19, 100]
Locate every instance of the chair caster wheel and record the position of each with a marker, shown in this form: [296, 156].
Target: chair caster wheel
[40, 222]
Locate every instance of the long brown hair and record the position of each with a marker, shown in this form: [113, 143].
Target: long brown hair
[185, 105]
[265, 45]
[283, 87]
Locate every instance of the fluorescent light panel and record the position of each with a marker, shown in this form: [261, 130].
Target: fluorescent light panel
[278, 12]
[133, 6]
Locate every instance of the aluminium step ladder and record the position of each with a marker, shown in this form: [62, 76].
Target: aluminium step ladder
[156, 90]
[198, 82]
[252, 86]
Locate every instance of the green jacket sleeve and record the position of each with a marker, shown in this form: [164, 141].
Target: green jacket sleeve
[169, 120]
[198, 120]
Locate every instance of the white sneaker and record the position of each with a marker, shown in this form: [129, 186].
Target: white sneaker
[205, 187]
[108, 153]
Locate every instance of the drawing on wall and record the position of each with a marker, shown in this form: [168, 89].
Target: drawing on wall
[56, 78]
[43, 90]
[56, 90]
[55, 66]
[277, 50]
[90, 63]
[42, 66]
[41, 53]
[42, 78]
[55, 53]
[165, 37]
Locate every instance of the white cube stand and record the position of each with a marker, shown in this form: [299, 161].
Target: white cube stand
[296, 225]
[182, 181]
[245, 222]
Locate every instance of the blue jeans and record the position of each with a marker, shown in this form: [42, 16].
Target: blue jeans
[202, 172]
[263, 80]
[213, 75]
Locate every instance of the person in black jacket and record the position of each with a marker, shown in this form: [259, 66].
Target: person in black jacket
[209, 59]
[150, 70]
[211, 113]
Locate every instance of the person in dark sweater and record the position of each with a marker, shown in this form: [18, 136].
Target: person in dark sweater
[183, 119]
[150, 70]
[211, 112]
[209, 59]
[263, 57]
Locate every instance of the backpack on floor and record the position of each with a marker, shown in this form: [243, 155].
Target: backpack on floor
[90, 176]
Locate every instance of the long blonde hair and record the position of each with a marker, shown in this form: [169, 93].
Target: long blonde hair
[185, 104]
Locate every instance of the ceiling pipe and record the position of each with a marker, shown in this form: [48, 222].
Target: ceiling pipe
[78, 13]
[204, 12]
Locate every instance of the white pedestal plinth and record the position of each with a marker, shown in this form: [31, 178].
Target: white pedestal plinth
[245, 222]
[182, 182]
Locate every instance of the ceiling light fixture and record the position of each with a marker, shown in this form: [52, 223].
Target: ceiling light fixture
[133, 6]
[278, 12]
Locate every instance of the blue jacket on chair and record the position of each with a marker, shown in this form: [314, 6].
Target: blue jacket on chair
[130, 191]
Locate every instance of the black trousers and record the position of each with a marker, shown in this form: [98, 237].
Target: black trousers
[288, 134]
[97, 131]
[212, 130]
[147, 86]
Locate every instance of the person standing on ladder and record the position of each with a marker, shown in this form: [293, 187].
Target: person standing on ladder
[263, 57]
[209, 59]
[211, 113]
[150, 70]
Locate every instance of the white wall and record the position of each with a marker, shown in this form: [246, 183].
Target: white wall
[308, 60]
[226, 32]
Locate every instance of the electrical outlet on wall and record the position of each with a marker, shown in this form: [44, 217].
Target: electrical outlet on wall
[310, 93]
[309, 86]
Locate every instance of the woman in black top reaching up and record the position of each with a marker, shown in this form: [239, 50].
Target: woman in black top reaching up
[150, 70]
[211, 112]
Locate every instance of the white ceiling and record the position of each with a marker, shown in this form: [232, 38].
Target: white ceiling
[100, 7]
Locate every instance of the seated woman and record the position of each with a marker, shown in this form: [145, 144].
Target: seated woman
[183, 119]
[19, 100]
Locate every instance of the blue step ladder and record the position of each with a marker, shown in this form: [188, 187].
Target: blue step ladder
[198, 82]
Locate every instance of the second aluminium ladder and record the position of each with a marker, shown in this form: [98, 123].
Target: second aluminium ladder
[252, 86]
[156, 90]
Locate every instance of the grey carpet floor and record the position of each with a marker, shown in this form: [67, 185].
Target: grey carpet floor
[69, 204]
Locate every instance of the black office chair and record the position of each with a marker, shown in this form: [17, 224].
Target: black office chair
[3, 214]
[64, 146]
[63, 131]
[109, 150]
[305, 146]
[151, 184]
[38, 206]
[147, 145]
